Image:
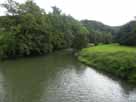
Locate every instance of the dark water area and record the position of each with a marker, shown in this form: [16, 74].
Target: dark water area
[59, 77]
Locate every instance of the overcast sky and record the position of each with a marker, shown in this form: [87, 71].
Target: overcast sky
[110, 12]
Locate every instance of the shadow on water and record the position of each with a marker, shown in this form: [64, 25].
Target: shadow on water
[58, 77]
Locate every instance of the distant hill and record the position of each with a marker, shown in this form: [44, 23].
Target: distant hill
[128, 27]
[127, 34]
[98, 26]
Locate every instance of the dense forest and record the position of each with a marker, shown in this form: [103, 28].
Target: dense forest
[27, 29]
[127, 34]
[98, 32]
[101, 33]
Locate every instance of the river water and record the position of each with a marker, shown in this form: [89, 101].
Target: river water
[59, 77]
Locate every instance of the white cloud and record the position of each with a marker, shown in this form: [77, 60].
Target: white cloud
[111, 12]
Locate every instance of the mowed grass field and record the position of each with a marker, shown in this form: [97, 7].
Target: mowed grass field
[115, 59]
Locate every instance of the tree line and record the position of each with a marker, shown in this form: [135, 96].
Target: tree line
[127, 34]
[27, 29]
[98, 32]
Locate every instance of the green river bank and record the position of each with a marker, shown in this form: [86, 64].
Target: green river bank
[114, 59]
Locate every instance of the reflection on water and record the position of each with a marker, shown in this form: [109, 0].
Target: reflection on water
[58, 77]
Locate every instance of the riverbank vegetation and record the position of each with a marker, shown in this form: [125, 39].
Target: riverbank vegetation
[27, 29]
[115, 59]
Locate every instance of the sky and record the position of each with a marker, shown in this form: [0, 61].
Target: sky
[110, 12]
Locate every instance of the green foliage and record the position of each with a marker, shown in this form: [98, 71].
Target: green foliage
[97, 26]
[7, 44]
[98, 32]
[80, 41]
[114, 59]
[100, 37]
[28, 30]
[11, 7]
[127, 34]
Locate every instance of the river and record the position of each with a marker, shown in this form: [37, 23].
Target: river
[59, 77]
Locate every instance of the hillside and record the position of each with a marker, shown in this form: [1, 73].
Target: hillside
[127, 34]
[98, 26]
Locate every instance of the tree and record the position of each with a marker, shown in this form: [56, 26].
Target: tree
[56, 11]
[11, 7]
[80, 41]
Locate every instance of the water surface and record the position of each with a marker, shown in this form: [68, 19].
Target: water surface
[59, 77]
